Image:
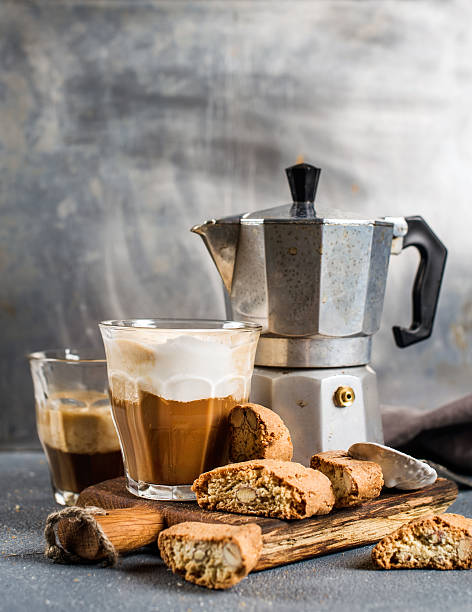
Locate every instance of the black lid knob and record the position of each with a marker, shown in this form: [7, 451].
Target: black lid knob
[303, 180]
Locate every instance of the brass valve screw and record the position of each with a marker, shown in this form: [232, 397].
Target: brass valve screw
[344, 396]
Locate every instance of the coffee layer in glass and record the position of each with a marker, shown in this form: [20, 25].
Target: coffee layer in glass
[172, 385]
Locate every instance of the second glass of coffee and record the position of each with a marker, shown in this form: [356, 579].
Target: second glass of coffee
[74, 420]
[172, 384]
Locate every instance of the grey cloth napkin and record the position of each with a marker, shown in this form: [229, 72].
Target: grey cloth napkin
[442, 436]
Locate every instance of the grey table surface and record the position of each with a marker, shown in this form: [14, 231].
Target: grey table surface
[344, 581]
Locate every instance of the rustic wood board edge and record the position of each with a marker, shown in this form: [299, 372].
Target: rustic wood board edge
[351, 528]
[286, 542]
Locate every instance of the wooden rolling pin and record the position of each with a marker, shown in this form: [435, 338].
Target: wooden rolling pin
[91, 534]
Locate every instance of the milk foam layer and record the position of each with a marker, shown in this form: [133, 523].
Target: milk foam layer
[181, 368]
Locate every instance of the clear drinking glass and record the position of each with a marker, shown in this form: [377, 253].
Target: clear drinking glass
[172, 384]
[74, 420]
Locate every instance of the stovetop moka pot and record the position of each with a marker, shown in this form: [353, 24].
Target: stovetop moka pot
[315, 279]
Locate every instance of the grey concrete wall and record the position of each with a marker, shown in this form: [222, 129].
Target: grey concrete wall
[123, 123]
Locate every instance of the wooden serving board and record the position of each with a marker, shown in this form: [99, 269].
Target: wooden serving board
[288, 541]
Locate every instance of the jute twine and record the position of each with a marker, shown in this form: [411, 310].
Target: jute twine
[83, 517]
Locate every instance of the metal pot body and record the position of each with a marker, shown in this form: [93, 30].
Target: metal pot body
[315, 279]
[320, 280]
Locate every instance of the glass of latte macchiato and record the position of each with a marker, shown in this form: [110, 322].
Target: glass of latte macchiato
[74, 420]
[172, 384]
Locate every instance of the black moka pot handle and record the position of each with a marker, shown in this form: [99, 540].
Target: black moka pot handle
[427, 283]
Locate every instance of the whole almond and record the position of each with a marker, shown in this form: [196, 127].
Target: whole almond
[199, 554]
[237, 417]
[465, 549]
[246, 495]
[231, 555]
[251, 419]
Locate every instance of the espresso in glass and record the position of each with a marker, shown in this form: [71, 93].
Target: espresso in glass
[172, 385]
[79, 439]
[74, 421]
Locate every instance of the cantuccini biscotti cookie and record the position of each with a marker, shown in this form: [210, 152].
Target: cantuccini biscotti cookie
[443, 541]
[354, 481]
[215, 556]
[257, 432]
[265, 487]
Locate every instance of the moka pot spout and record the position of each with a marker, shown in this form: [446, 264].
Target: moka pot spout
[221, 238]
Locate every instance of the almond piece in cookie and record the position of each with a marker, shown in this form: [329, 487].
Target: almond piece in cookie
[443, 541]
[265, 487]
[258, 433]
[354, 481]
[215, 556]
